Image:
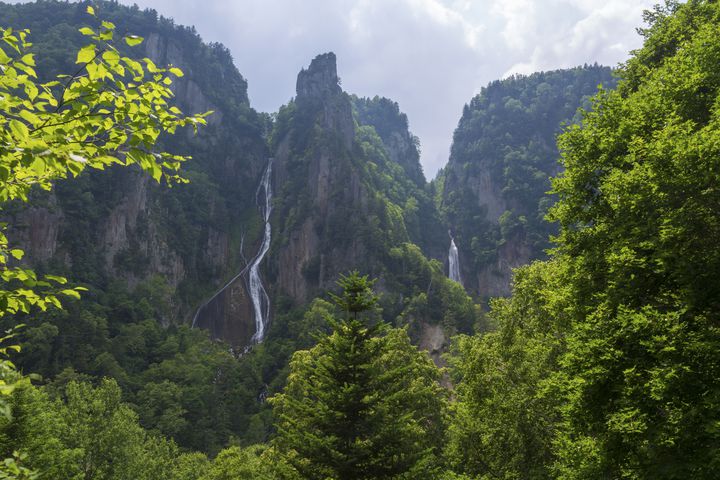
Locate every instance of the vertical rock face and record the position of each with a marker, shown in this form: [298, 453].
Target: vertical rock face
[496, 182]
[318, 183]
[228, 316]
[320, 80]
[37, 229]
[119, 225]
[318, 88]
[484, 194]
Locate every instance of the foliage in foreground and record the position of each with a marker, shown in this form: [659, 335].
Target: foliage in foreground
[110, 112]
[605, 363]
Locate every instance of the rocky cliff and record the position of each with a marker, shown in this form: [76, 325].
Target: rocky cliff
[118, 224]
[351, 196]
[317, 183]
[495, 186]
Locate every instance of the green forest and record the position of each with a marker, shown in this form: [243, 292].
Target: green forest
[129, 195]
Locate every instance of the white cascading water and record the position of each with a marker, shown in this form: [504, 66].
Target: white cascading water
[258, 295]
[260, 299]
[454, 262]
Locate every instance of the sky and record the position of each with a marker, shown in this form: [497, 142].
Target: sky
[430, 56]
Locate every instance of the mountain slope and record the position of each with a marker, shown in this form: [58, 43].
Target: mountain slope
[494, 188]
[350, 195]
[118, 224]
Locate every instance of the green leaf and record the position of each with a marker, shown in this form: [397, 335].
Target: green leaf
[86, 54]
[108, 25]
[4, 57]
[56, 279]
[19, 130]
[133, 40]
[111, 57]
[71, 293]
[90, 10]
[17, 253]
[32, 91]
[152, 68]
[30, 117]
[87, 31]
[28, 59]
[176, 71]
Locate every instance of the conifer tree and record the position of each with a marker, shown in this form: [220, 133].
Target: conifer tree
[363, 403]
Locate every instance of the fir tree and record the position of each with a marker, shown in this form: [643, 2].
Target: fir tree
[362, 404]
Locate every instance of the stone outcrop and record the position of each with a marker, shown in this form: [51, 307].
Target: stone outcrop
[329, 184]
[189, 95]
[495, 279]
[36, 229]
[318, 88]
[228, 316]
[320, 80]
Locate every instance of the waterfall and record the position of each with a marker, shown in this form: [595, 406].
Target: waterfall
[454, 262]
[256, 290]
[260, 299]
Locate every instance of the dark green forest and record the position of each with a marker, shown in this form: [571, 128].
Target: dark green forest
[599, 185]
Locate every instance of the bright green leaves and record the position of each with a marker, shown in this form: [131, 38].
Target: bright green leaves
[19, 130]
[105, 112]
[28, 59]
[133, 40]
[86, 54]
[638, 207]
[111, 57]
[109, 112]
[4, 58]
[609, 366]
[504, 418]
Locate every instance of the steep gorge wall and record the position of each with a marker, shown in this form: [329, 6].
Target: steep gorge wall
[351, 196]
[120, 225]
[496, 183]
[318, 185]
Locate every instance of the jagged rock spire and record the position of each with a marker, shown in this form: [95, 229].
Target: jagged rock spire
[320, 80]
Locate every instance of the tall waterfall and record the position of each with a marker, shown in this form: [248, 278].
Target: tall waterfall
[260, 299]
[454, 262]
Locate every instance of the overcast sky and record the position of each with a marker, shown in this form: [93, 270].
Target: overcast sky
[430, 56]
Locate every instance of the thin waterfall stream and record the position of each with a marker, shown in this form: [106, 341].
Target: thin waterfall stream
[258, 294]
[454, 262]
[256, 290]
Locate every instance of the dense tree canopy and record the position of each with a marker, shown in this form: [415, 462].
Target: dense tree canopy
[605, 361]
[638, 211]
